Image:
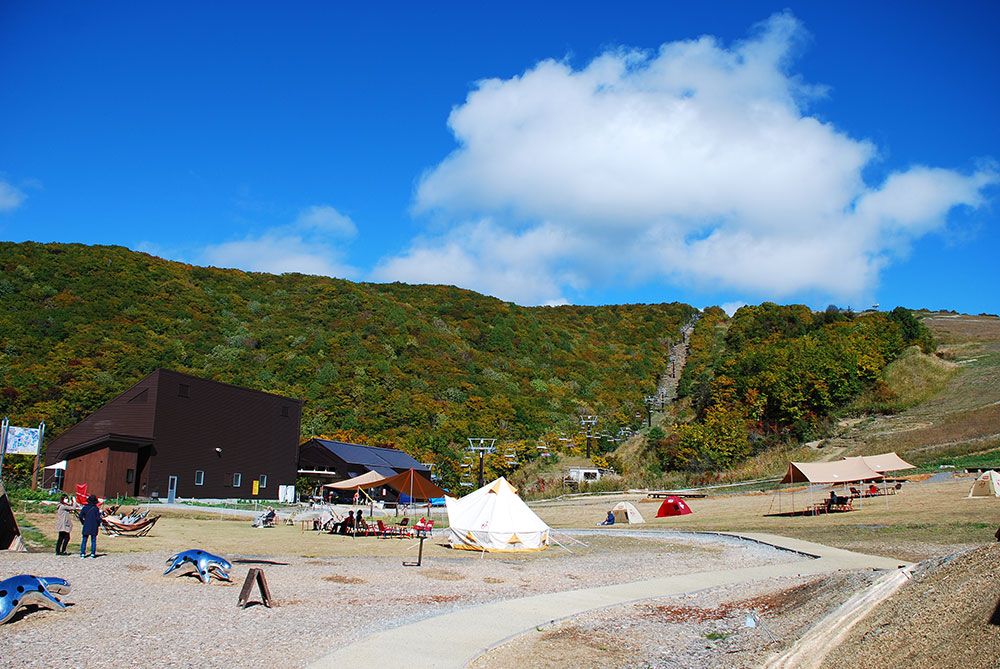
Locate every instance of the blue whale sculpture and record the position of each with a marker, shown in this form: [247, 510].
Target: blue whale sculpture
[19, 591]
[205, 563]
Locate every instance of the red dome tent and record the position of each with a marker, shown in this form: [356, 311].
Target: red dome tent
[673, 506]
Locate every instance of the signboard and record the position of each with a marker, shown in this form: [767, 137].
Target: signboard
[23, 440]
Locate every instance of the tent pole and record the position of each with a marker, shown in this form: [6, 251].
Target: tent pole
[551, 532]
[560, 543]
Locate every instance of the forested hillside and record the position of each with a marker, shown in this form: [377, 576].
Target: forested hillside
[775, 373]
[420, 367]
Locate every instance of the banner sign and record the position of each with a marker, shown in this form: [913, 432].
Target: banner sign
[23, 440]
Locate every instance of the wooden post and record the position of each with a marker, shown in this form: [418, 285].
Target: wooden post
[420, 554]
[255, 575]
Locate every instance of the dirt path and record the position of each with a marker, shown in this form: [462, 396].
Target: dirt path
[455, 639]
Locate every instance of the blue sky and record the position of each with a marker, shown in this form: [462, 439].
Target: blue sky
[716, 153]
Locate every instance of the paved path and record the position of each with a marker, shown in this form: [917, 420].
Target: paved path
[455, 639]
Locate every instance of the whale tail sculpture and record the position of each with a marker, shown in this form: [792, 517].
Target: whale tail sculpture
[206, 564]
[20, 591]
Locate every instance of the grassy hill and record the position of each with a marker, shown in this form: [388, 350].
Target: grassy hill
[958, 412]
[940, 409]
[421, 367]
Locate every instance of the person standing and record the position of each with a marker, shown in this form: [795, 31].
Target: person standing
[64, 524]
[90, 516]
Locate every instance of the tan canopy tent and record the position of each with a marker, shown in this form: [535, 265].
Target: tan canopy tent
[885, 462]
[850, 470]
[366, 480]
[413, 484]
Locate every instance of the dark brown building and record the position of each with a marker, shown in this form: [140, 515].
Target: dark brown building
[196, 437]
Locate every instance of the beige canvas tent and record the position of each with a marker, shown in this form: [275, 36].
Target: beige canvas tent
[625, 512]
[987, 485]
[839, 472]
[494, 518]
[851, 470]
[885, 462]
[366, 480]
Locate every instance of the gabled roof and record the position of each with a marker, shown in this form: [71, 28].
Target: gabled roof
[376, 458]
[126, 439]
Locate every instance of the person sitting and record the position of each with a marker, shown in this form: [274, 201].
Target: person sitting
[269, 517]
[872, 490]
[610, 520]
[361, 524]
[345, 526]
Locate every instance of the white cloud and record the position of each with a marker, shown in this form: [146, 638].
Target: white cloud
[521, 267]
[696, 164]
[732, 307]
[11, 197]
[310, 245]
[325, 218]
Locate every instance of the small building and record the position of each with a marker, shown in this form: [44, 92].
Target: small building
[579, 475]
[327, 461]
[176, 434]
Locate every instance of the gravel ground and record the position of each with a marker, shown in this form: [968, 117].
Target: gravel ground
[123, 612]
[703, 629]
[947, 616]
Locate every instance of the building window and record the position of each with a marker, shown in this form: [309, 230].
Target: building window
[237, 480]
[183, 390]
[129, 476]
[199, 477]
[284, 412]
[263, 480]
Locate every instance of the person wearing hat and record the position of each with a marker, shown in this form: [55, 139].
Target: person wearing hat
[64, 524]
[90, 516]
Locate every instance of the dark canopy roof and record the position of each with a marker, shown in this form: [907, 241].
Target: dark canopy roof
[380, 459]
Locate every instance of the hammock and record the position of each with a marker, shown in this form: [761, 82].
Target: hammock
[119, 529]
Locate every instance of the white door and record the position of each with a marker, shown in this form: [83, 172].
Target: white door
[171, 489]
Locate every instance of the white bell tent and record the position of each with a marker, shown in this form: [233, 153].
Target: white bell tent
[494, 518]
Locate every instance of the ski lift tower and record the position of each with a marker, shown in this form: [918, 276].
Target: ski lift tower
[482, 446]
[588, 423]
[650, 401]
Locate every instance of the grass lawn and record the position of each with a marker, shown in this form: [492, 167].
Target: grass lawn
[924, 520]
